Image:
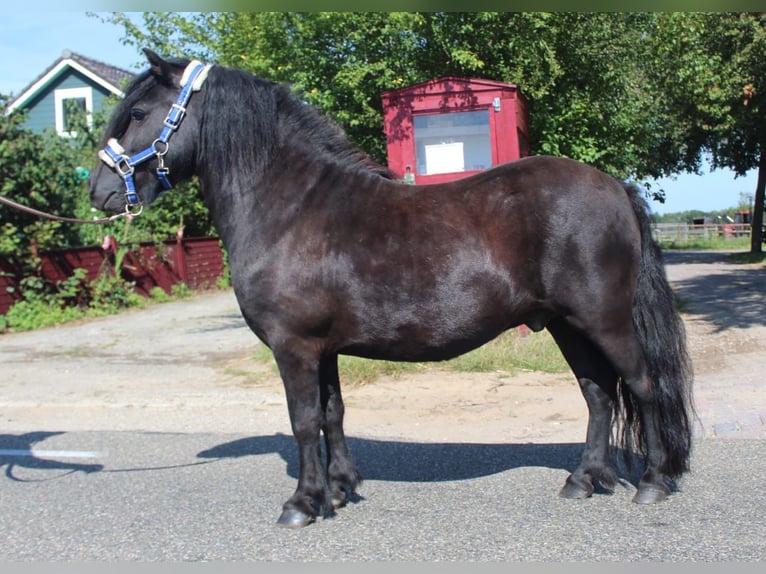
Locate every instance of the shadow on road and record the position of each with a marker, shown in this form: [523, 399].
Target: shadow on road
[397, 461]
[17, 451]
[735, 298]
[391, 461]
[705, 257]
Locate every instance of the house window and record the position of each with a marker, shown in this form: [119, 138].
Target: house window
[452, 142]
[70, 103]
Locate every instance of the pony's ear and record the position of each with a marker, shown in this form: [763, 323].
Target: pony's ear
[161, 70]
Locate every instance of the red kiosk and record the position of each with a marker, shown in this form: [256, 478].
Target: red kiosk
[449, 127]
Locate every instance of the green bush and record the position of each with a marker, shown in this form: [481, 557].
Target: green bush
[36, 313]
[44, 304]
[110, 294]
[181, 291]
[158, 294]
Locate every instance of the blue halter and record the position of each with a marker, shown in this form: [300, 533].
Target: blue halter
[114, 154]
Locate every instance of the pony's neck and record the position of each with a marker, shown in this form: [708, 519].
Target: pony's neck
[262, 150]
[231, 209]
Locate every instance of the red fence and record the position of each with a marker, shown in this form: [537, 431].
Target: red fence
[196, 261]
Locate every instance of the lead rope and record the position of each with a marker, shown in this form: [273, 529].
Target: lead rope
[127, 213]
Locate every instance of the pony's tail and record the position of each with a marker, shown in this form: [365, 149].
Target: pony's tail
[662, 336]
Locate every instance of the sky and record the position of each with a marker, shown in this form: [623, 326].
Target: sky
[31, 41]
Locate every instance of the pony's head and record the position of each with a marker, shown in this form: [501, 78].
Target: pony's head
[150, 141]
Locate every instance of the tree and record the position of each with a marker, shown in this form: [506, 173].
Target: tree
[578, 70]
[39, 172]
[708, 70]
[638, 95]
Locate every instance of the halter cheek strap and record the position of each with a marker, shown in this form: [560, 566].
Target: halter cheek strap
[114, 154]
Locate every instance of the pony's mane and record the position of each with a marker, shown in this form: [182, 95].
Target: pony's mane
[246, 119]
[324, 134]
[267, 115]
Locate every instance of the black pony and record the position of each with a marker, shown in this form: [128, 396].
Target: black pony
[331, 255]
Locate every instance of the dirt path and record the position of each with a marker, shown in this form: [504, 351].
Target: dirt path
[186, 367]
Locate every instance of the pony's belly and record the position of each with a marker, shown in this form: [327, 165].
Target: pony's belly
[411, 347]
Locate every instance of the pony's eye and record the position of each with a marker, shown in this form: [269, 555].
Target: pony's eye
[137, 114]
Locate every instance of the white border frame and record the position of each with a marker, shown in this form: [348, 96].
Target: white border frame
[61, 95]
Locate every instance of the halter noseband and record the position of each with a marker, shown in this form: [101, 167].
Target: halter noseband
[114, 154]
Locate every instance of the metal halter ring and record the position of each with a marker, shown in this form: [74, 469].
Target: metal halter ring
[156, 145]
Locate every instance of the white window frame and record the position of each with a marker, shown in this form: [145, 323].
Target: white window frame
[445, 143]
[64, 94]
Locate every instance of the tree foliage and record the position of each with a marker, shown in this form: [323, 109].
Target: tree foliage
[639, 95]
[41, 173]
[712, 95]
[578, 70]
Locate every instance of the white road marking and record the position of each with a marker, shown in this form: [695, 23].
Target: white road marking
[52, 453]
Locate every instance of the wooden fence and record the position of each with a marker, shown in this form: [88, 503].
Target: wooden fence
[682, 232]
[196, 261]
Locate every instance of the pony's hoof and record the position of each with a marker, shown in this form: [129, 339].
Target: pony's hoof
[650, 494]
[575, 491]
[292, 518]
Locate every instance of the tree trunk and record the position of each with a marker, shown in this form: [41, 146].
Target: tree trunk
[756, 235]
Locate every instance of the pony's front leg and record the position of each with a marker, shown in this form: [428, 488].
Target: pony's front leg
[343, 477]
[300, 376]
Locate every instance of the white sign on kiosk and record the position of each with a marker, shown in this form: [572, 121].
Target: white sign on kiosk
[444, 158]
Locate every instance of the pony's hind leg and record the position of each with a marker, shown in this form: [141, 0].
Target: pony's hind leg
[598, 383]
[342, 474]
[642, 420]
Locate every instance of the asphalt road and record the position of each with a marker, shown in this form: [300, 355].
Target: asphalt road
[214, 497]
[81, 485]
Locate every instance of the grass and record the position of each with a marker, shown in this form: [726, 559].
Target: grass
[511, 352]
[712, 243]
[719, 244]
